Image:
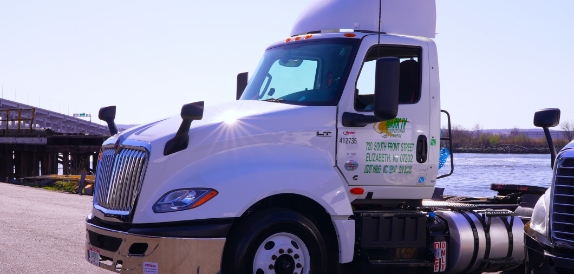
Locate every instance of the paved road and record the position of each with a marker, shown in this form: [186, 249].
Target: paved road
[42, 231]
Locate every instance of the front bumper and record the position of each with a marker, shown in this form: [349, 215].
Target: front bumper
[539, 260]
[131, 253]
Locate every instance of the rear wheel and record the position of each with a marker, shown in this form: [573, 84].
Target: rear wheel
[276, 241]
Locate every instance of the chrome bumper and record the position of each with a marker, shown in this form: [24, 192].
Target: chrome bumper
[164, 254]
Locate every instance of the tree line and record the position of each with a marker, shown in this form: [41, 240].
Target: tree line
[476, 140]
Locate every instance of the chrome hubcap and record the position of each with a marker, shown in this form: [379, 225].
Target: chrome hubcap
[282, 253]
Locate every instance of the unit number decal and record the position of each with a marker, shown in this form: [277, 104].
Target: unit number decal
[352, 141]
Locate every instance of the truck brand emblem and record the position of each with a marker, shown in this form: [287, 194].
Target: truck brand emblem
[346, 132]
[356, 177]
[351, 165]
[324, 134]
[117, 146]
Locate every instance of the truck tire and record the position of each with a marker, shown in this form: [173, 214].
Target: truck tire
[276, 241]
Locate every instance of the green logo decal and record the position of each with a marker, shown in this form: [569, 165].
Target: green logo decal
[433, 142]
[392, 128]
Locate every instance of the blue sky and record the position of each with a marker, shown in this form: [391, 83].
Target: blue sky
[499, 60]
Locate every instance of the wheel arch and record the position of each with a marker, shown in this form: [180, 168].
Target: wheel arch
[335, 229]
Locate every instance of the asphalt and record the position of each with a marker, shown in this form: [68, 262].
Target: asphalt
[43, 231]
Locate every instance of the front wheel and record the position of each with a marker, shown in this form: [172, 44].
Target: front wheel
[281, 253]
[276, 241]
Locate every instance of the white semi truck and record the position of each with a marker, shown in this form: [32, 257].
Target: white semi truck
[324, 164]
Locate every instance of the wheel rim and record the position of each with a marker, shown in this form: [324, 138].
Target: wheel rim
[282, 253]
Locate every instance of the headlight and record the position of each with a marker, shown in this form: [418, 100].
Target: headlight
[539, 220]
[183, 199]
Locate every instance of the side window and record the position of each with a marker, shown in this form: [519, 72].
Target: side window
[365, 88]
[409, 82]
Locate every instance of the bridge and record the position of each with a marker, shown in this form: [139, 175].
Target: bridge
[15, 116]
[35, 141]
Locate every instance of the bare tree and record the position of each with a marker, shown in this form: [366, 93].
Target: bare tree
[476, 130]
[568, 129]
[515, 132]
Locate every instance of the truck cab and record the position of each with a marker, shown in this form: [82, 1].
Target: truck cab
[334, 75]
[549, 236]
[323, 163]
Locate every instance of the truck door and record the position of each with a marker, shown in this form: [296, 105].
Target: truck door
[392, 152]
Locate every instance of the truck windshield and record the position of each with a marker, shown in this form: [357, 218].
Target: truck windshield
[303, 73]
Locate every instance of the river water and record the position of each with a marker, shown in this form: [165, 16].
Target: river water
[473, 173]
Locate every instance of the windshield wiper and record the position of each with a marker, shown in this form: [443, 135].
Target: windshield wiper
[274, 100]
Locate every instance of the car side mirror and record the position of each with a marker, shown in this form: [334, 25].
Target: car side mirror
[387, 76]
[545, 118]
[108, 115]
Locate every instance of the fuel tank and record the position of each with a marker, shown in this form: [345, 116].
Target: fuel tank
[483, 240]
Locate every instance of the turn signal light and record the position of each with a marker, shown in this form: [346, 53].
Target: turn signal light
[205, 198]
[357, 191]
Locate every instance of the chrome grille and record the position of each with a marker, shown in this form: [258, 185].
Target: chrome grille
[119, 177]
[563, 202]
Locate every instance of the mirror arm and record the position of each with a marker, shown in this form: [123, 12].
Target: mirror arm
[358, 120]
[550, 146]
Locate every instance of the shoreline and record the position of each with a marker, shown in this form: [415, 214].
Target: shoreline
[503, 149]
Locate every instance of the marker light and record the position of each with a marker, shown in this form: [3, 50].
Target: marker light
[350, 35]
[288, 39]
[308, 36]
[183, 199]
[357, 191]
[297, 38]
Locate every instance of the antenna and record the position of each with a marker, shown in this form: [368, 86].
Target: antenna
[379, 35]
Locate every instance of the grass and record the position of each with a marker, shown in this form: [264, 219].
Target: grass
[66, 186]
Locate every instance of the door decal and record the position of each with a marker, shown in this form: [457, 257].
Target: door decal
[351, 165]
[393, 128]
